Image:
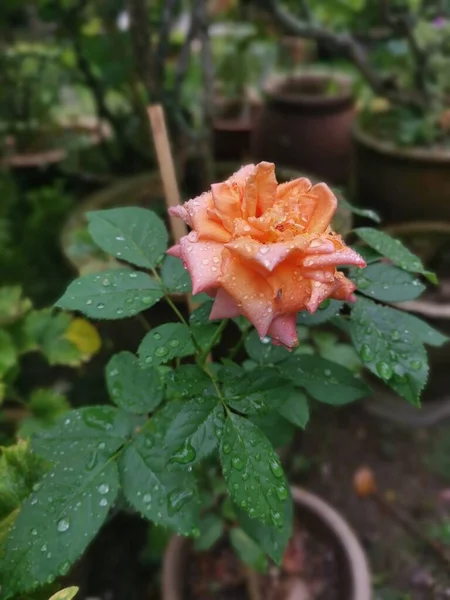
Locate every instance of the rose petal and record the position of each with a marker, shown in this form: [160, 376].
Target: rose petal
[203, 261]
[344, 289]
[346, 256]
[227, 199]
[224, 306]
[266, 186]
[202, 223]
[319, 292]
[175, 251]
[181, 212]
[283, 331]
[325, 207]
[290, 289]
[252, 294]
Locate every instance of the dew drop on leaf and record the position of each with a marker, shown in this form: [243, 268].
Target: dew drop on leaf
[384, 371]
[275, 467]
[103, 488]
[63, 525]
[366, 353]
[237, 463]
[185, 454]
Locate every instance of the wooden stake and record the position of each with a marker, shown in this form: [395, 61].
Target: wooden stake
[168, 175]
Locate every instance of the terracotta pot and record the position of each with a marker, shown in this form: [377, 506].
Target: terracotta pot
[355, 575]
[304, 127]
[232, 130]
[403, 184]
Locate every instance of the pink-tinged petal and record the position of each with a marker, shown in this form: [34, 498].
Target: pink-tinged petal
[266, 255]
[227, 199]
[325, 207]
[320, 246]
[181, 212]
[203, 261]
[319, 292]
[323, 276]
[347, 256]
[199, 211]
[344, 289]
[283, 331]
[242, 175]
[224, 306]
[175, 251]
[252, 294]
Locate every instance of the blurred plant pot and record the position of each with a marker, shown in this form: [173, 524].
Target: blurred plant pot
[403, 184]
[85, 257]
[305, 123]
[232, 129]
[318, 517]
[430, 240]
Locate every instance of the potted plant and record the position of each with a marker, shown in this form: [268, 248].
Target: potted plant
[239, 58]
[402, 137]
[306, 122]
[264, 260]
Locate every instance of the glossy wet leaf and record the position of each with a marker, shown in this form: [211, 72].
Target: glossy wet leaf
[263, 351]
[252, 470]
[295, 408]
[387, 283]
[272, 539]
[132, 386]
[195, 431]
[132, 234]
[200, 315]
[164, 343]
[394, 250]
[390, 348]
[168, 498]
[56, 523]
[361, 212]
[428, 335]
[211, 529]
[248, 550]
[91, 432]
[278, 430]
[327, 310]
[260, 391]
[324, 380]
[115, 294]
[175, 277]
[205, 335]
[188, 381]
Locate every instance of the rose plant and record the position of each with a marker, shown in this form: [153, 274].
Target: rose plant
[263, 261]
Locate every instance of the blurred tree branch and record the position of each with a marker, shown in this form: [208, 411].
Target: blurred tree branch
[345, 45]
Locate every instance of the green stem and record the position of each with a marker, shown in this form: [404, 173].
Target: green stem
[215, 338]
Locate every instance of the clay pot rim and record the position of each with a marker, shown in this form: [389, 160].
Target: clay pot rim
[417, 153]
[352, 550]
[272, 89]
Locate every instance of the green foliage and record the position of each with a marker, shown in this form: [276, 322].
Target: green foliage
[115, 294]
[387, 283]
[248, 550]
[394, 250]
[390, 344]
[166, 342]
[65, 594]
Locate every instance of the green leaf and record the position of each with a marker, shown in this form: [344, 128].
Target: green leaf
[259, 391]
[428, 335]
[211, 529]
[272, 539]
[175, 277]
[46, 406]
[327, 310]
[57, 522]
[387, 283]
[94, 431]
[188, 381]
[367, 253]
[389, 348]
[324, 380]
[204, 335]
[166, 498]
[278, 430]
[166, 342]
[20, 470]
[8, 353]
[48, 331]
[115, 294]
[66, 594]
[295, 408]
[394, 250]
[131, 386]
[12, 305]
[248, 550]
[194, 432]
[264, 352]
[200, 316]
[135, 235]
[252, 470]
[361, 212]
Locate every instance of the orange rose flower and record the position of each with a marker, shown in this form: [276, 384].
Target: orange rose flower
[264, 250]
